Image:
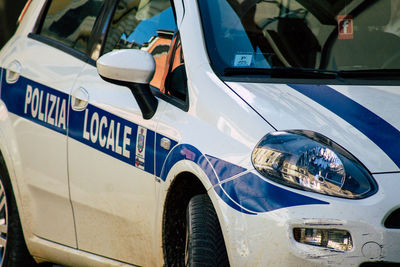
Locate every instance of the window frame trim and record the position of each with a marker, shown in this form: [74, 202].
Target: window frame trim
[101, 27]
[35, 33]
[60, 46]
[40, 20]
[183, 105]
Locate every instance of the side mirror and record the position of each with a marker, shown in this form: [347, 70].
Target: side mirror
[132, 68]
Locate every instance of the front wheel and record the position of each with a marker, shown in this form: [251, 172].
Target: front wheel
[205, 244]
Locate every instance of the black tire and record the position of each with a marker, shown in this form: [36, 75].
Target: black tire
[205, 244]
[13, 251]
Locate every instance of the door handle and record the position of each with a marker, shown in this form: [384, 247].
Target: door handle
[79, 99]
[13, 72]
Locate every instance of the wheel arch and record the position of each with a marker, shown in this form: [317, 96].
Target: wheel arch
[16, 251]
[6, 162]
[10, 158]
[183, 187]
[8, 146]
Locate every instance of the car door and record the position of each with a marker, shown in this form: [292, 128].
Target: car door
[40, 71]
[111, 147]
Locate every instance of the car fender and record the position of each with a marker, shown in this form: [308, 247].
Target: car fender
[10, 153]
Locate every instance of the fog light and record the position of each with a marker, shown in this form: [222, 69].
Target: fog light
[339, 240]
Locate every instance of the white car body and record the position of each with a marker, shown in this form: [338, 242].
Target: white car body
[86, 198]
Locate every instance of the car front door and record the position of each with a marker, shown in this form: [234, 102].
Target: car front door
[111, 147]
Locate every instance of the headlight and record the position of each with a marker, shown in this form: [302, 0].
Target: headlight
[310, 161]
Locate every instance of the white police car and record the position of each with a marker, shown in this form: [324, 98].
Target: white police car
[210, 132]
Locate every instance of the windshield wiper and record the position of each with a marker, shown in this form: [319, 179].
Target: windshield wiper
[370, 74]
[282, 72]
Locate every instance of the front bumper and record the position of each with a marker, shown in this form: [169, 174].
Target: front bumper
[267, 239]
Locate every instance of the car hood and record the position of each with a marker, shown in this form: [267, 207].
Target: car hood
[365, 120]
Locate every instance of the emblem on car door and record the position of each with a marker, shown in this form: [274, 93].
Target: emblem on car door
[140, 147]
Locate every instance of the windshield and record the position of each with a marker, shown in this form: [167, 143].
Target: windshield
[319, 35]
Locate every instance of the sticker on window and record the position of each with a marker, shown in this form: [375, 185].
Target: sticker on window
[345, 27]
[242, 60]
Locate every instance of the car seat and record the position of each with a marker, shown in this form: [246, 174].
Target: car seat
[370, 47]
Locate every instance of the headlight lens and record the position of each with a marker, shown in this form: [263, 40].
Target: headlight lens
[310, 161]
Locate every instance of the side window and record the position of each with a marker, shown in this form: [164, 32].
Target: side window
[150, 25]
[175, 81]
[71, 22]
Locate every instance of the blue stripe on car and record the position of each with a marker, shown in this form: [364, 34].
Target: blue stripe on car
[117, 138]
[248, 193]
[161, 153]
[257, 195]
[44, 107]
[188, 152]
[224, 169]
[1, 79]
[379, 131]
[115, 148]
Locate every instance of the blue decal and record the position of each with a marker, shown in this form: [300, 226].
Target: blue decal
[188, 152]
[161, 153]
[257, 195]
[94, 127]
[149, 163]
[375, 128]
[227, 200]
[36, 102]
[113, 136]
[224, 169]
[1, 79]
[140, 147]
[248, 193]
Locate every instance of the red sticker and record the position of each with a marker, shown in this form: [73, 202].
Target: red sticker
[345, 26]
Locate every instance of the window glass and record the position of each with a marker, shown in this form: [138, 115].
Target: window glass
[147, 25]
[176, 80]
[71, 21]
[326, 35]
